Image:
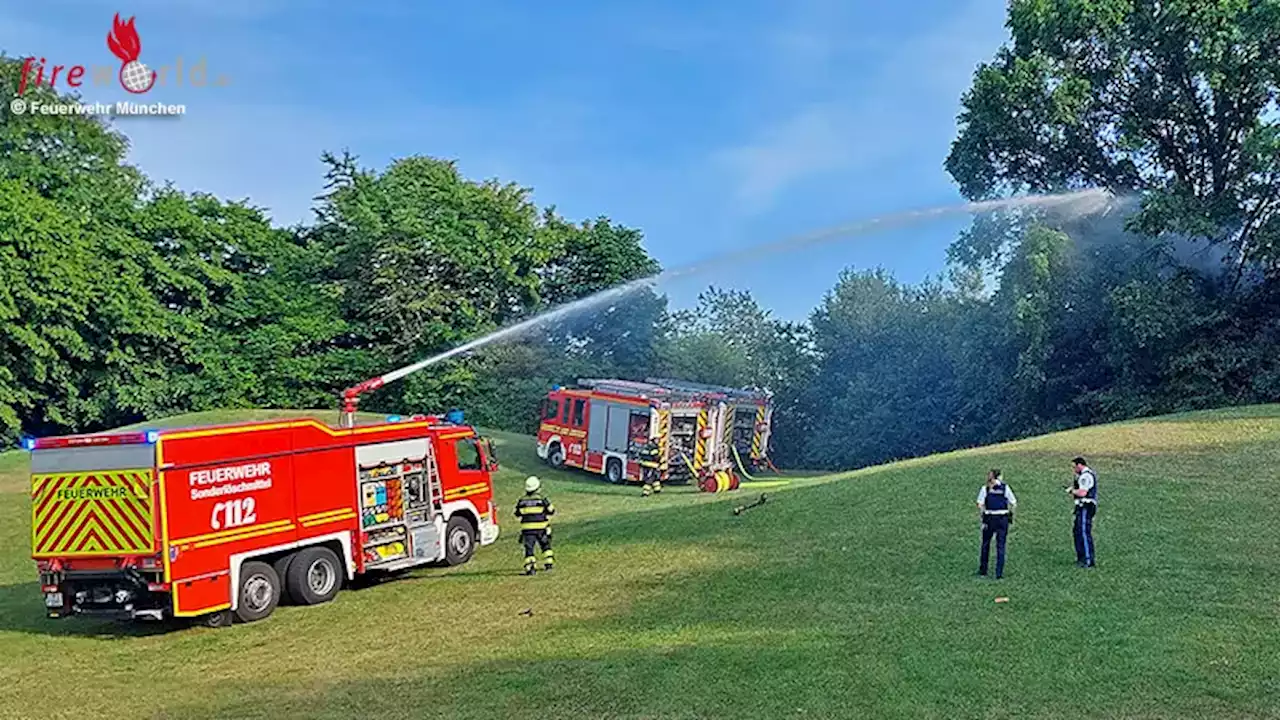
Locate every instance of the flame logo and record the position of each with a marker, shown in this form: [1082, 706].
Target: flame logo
[123, 40]
[124, 43]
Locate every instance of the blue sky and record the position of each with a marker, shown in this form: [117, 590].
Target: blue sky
[709, 126]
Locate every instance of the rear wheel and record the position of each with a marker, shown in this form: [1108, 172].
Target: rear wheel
[459, 540]
[613, 471]
[259, 591]
[315, 576]
[281, 566]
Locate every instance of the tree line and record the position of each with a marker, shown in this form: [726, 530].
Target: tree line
[122, 300]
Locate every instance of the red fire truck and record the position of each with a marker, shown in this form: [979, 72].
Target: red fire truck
[225, 522]
[601, 425]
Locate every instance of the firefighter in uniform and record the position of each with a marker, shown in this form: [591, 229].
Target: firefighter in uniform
[1084, 492]
[649, 464]
[534, 511]
[996, 504]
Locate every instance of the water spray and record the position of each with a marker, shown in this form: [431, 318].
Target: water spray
[1080, 203]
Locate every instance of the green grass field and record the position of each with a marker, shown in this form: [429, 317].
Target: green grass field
[844, 596]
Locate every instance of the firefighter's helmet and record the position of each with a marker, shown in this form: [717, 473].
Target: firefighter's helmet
[532, 483]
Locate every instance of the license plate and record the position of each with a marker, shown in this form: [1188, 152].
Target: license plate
[53, 600]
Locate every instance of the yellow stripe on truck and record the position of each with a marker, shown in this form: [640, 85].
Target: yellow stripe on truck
[92, 513]
[700, 444]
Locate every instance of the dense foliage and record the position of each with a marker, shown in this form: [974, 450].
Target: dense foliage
[120, 300]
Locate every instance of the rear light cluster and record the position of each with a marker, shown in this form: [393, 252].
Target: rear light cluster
[65, 441]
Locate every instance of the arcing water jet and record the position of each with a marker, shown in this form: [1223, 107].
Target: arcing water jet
[1077, 203]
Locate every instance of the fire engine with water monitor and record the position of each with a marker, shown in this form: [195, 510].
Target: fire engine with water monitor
[703, 432]
[226, 522]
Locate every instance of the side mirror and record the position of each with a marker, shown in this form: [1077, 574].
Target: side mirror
[491, 463]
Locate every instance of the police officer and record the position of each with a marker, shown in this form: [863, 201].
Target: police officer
[1084, 493]
[996, 504]
[649, 463]
[534, 511]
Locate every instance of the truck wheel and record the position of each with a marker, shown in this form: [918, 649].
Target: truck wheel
[281, 566]
[315, 576]
[613, 472]
[259, 591]
[556, 456]
[459, 540]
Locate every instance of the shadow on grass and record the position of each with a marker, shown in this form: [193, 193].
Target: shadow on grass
[22, 611]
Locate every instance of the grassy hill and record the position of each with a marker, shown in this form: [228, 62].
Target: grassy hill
[845, 596]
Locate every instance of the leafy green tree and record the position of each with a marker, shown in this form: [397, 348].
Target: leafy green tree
[85, 323]
[1171, 99]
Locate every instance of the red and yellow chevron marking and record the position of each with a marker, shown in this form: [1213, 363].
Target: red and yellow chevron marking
[757, 433]
[700, 449]
[92, 513]
[664, 435]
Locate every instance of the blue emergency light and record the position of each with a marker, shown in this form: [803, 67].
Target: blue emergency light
[28, 443]
[393, 418]
[454, 416]
[153, 436]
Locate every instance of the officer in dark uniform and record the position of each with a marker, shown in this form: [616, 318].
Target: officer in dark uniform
[534, 511]
[996, 504]
[1084, 493]
[648, 457]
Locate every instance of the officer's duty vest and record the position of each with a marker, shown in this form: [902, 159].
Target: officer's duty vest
[1090, 497]
[996, 501]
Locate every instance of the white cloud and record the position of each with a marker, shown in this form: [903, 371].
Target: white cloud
[914, 89]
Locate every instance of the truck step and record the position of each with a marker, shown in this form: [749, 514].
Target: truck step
[400, 564]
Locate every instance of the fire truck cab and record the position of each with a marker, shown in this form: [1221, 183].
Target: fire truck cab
[601, 425]
[228, 521]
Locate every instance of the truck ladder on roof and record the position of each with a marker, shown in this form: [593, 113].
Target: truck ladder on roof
[625, 387]
[683, 385]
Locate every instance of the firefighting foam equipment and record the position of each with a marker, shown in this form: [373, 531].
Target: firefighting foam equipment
[531, 484]
[743, 508]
